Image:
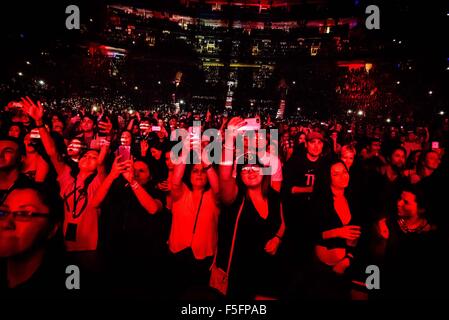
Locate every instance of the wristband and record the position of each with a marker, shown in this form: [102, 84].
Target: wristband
[279, 237]
[135, 185]
[227, 148]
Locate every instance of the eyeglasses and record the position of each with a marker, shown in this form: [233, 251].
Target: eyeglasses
[250, 168]
[22, 215]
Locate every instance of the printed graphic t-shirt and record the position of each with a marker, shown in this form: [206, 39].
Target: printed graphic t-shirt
[80, 217]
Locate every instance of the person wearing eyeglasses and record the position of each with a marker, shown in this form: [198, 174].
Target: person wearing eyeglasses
[29, 226]
[253, 210]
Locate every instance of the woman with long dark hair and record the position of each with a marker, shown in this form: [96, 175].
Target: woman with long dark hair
[195, 211]
[251, 227]
[337, 234]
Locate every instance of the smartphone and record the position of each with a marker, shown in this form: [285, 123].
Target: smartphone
[155, 128]
[125, 152]
[34, 134]
[252, 124]
[435, 145]
[144, 126]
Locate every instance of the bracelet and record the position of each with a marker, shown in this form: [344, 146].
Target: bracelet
[135, 185]
[227, 148]
[279, 237]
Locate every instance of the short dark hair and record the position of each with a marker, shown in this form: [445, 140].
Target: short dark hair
[420, 197]
[390, 154]
[49, 197]
[20, 144]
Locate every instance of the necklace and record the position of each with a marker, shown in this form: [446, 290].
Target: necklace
[406, 229]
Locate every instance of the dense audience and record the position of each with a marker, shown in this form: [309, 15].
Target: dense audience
[101, 186]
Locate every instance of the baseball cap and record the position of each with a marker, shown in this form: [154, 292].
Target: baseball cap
[314, 135]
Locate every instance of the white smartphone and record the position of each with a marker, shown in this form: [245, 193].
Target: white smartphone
[252, 124]
[34, 134]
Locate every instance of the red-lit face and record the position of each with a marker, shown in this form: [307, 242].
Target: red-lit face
[339, 176]
[19, 235]
[173, 123]
[398, 159]
[412, 137]
[407, 205]
[155, 153]
[432, 161]
[141, 172]
[9, 155]
[14, 131]
[87, 125]
[302, 138]
[348, 158]
[89, 162]
[198, 177]
[135, 130]
[57, 124]
[314, 147]
[74, 148]
[125, 139]
[251, 176]
[375, 147]
[145, 127]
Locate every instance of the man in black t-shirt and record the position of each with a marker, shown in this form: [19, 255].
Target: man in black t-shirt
[300, 174]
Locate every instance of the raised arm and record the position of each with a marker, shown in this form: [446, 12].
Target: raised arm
[151, 205]
[36, 112]
[41, 170]
[228, 185]
[177, 185]
[117, 169]
[105, 128]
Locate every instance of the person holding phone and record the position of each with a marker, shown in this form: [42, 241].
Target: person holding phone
[33, 165]
[78, 187]
[193, 235]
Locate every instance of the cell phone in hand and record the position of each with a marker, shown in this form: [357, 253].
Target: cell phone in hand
[252, 124]
[125, 153]
[435, 145]
[155, 128]
[34, 134]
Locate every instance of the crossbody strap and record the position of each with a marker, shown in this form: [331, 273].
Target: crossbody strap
[234, 236]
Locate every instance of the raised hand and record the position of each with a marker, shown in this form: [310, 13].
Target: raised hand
[35, 111]
[118, 167]
[105, 126]
[129, 172]
[144, 147]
